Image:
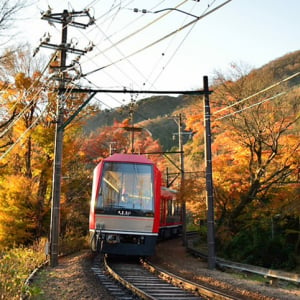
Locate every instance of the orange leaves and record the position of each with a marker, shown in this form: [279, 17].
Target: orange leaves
[124, 123]
[117, 138]
[22, 82]
[194, 119]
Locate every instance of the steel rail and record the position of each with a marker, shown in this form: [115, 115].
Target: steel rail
[199, 291]
[188, 285]
[127, 284]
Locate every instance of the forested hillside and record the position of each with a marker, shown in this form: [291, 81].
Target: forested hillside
[284, 66]
[152, 113]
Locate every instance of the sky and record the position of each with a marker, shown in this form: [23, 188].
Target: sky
[251, 32]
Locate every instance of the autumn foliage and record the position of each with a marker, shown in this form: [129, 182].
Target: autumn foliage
[256, 153]
[255, 147]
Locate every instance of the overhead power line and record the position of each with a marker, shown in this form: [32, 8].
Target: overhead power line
[22, 135]
[174, 52]
[161, 39]
[114, 45]
[31, 103]
[253, 105]
[142, 28]
[259, 92]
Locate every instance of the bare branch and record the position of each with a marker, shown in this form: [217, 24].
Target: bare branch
[8, 11]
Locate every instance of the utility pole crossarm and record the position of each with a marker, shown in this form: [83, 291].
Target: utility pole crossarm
[64, 47]
[69, 18]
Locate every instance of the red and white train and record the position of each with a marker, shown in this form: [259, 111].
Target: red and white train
[129, 207]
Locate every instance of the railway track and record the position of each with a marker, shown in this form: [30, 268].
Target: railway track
[133, 279]
[114, 287]
[71, 273]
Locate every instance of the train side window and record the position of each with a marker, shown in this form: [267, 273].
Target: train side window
[170, 208]
[99, 203]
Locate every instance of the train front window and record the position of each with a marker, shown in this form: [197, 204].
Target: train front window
[126, 185]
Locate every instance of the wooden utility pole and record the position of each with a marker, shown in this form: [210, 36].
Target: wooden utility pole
[209, 180]
[59, 132]
[182, 179]
[178, 120]
[66, 19]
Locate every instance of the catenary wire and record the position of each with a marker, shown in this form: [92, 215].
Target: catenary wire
[259, 92]
[25, 109]
[131, 63]
[161, 39]
[132, 34]
[113, 45]
[121, 71]
[143, 27]
[163, 68]
[178, 47]
[23, 134]
[251, 106]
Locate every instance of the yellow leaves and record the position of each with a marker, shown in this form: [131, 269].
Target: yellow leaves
[81, 153]
[18, 189]
[18, 208]
[21, 81]
[43, 139]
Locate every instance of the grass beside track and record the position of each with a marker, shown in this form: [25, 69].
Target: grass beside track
[15, 266]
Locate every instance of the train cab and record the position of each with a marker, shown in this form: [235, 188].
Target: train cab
[125, 205]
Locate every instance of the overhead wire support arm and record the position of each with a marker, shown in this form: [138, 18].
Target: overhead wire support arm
[84, 90]
[144, 11]
[63, 47]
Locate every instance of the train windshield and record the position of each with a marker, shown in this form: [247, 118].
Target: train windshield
[126, 185]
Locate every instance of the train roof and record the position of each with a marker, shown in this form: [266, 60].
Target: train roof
[168, 189]
[129, 158]
[168, 193]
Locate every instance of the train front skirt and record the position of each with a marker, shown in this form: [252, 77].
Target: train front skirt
[123, 243]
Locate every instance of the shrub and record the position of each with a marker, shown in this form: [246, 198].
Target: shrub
[69, 244]
[15, 266]
[258, 248]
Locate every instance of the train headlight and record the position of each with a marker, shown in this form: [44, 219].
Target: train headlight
[113, 238]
